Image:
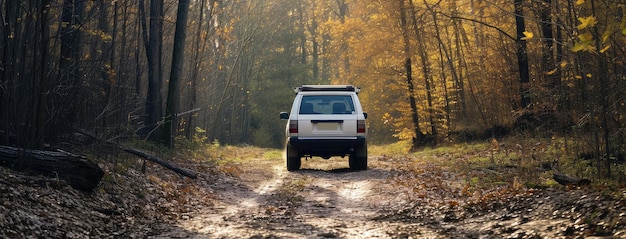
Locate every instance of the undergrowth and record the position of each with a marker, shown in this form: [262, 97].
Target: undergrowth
[484, 172]
[529, 162]
[452, 175]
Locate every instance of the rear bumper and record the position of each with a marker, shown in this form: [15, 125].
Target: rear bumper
[325, 147]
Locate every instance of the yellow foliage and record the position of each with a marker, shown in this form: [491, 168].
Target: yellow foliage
[100, 34]
[586, 43]
[605, 49]
[623, 24]
[527, 36]
[586, 22]
[405, 133]
[607, 34]
[580, 2]
[578, 47]
[552, 71]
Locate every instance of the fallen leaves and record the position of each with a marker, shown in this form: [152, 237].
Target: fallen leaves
[442, 194]
[127, 204]
[481, 206]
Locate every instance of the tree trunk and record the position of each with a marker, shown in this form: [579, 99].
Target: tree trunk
[425, 67]
[342, 14]
[315, 48]
[601, 85]
[40, 97]
[522, 57]
[9, 50]
[171, 119]
[418, 138]
[303, 36]
[458, 80]
[189, 126]
[107, 54]
[547, 53]
[561, 104]
[69, 65]
[154, 52]
[444, 56]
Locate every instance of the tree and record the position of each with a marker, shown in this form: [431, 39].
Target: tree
[522, 58]
[41, 85]
[418, 138]
[9, 51]
[171, 110]
[196, 64]
[154, 50]
[82, 63]
[426, 71]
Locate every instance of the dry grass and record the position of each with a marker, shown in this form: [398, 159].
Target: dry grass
[514, 162]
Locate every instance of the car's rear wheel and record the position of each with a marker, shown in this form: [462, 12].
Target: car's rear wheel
[293, 160]
[358, 160]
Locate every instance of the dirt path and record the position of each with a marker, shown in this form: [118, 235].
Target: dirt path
[323, 200]
[326, 200]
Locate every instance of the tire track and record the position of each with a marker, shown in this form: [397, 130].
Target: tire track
[323, 200]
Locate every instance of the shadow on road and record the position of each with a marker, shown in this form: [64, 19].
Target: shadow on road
[346, 173]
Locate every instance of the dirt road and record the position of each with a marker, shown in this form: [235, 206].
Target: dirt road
[323, 200]
[326, 200]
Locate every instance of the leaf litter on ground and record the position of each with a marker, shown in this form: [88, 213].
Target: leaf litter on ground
[469, 190]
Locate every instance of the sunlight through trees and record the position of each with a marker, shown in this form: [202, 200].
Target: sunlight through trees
[432, 71]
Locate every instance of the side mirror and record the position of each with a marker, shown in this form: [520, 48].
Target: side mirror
[284, 115]
[365, 115]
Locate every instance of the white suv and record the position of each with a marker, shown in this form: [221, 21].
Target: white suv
[326, 121]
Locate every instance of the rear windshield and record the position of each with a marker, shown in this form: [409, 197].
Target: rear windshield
[327, 104]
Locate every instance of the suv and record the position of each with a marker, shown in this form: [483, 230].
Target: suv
[326, 121]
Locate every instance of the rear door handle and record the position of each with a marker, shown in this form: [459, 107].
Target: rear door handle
[326, 121]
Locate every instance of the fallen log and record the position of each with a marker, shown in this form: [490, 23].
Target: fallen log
[182, 171]
[137, 152]
[569, 180]
[77, 171]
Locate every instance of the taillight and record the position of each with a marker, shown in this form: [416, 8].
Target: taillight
[293, 126]
[360, 126]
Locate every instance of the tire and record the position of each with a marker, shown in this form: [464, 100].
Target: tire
[358, 160]
[293, 160]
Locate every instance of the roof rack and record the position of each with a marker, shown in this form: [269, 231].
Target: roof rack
[350, 88]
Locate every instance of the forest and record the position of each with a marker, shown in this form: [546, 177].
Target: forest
[431, 71]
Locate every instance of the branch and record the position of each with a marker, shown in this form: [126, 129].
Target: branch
[164, 163]
[481, 23]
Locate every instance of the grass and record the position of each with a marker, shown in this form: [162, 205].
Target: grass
[496, 162]
[395, 149]
[232, 154]
[273, 154]
[485, 163]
